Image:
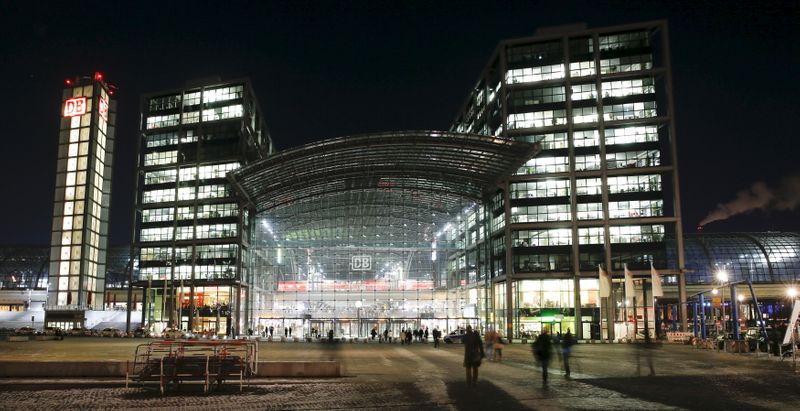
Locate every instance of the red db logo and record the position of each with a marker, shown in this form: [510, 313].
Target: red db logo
[75, 107]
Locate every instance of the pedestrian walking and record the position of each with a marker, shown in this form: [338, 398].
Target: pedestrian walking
[566, 350]
[489, 344]
[436, 335]
[499, 344]
[271, 329]
[543, 352]
[473, 355]
[285, 331]
[426, 334]
[386, 335]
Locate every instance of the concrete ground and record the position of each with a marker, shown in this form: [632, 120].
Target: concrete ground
[604, 376]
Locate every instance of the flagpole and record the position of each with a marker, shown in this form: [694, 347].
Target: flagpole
[646, 317]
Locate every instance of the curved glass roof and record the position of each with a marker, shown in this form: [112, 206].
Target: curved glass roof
[762, 257]
[394, 189]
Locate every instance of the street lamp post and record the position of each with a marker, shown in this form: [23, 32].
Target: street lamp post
[358, 309]
[722, 276]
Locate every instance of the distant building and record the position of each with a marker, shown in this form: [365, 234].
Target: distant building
[192, 232]
[603, 190]
[82, 199]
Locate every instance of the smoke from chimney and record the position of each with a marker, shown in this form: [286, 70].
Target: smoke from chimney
[786, 196]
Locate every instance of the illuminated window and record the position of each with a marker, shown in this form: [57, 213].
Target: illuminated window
[217, 170]
[162, 121]
[159, 177]
[549, 141]
[637, 234]
[213, 191]
[588, 162]
[621, 41]
[156, 234]
[588, 186]
[542, 238]
[591, 235]
[158, 196]
[190, 117]
[635, 208]
[626, 64]
[534, 74]
[160, 158]
[539, 165]
[630, 111]
[590, 211]
[191, 99]
[545, 118]
[581, 68]
[629, 135]
[584, 92]
[532, 214]
[163, 139]
[584, 115]
[222, 113]
[646, 158]
[638, 183]
[587, 138]
[223, 94]
[624, 88]
[157, 215]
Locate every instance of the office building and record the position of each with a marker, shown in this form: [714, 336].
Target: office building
[192, 232]
[603, 191]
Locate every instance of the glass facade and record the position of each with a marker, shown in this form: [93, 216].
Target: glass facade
[192, 237]
[601, 192]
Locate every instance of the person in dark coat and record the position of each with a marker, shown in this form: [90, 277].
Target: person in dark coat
[566, 350]
[473, 354]
[543, 351]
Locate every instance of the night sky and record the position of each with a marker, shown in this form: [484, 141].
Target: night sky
[327, 69]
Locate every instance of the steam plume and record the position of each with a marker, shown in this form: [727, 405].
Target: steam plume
[786, 196]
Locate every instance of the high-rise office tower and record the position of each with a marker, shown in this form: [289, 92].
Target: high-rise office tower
[604, 189]
[82, 199]
[191, 230]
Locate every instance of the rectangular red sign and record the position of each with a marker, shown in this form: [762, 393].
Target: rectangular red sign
[75, 106]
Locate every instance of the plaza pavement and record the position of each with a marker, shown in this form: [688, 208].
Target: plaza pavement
[391, 376]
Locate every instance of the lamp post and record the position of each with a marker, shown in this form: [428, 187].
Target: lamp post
[358, 309]
[722, 276]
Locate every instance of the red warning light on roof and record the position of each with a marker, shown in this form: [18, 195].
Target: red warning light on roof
[68, 82]
[98, 76]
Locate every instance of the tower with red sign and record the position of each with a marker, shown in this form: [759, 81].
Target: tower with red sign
[81, 202]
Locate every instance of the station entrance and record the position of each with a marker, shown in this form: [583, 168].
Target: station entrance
[387, 232]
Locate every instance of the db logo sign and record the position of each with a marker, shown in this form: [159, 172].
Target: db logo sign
[75, 107]
[361, 262]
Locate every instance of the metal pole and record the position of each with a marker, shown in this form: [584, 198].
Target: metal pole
[646, 317]
[702, 316]
[734, 313]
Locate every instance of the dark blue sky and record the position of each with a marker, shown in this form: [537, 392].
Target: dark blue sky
[324, 69]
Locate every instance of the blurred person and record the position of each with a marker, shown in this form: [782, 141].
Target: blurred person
[566, 350]
[543, 352]
[473, 355]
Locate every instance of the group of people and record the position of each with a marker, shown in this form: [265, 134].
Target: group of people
[407, 335]
[494, 345]
[543, 351]
[268, 332]
[475, 350]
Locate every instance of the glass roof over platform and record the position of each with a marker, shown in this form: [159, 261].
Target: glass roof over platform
[370, 207]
